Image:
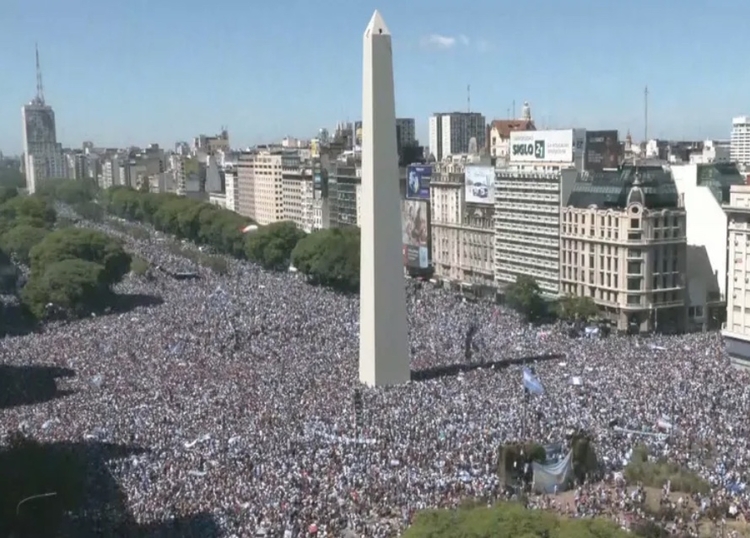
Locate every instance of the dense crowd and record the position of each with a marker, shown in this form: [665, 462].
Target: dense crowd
[240, 388]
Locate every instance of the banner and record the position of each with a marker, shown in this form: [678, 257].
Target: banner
[480, 185]
[418, 182]
[415, 229]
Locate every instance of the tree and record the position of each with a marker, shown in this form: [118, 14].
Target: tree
[89, 211]
[524, 296]
[74, 285]
[507, 520]
[11, 176]
[271, 246]
[83, 244]
[69, 191]
[32, 210]
[6, 193]
[575, 308]
[330, 257]
[20, 239]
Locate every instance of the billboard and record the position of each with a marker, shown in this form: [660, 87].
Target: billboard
[415, 231]
[480, 184]
[602, 150]
[317, 180]
[546, 146]
[418, 181]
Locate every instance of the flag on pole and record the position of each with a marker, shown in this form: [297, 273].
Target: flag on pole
[531, 382]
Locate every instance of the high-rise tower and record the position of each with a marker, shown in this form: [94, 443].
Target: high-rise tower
[383, 336]
[42, 153]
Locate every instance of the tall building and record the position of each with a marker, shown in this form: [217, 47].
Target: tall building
[737, 330]
[451, 132]
[462, 233]
[43, 157]
[260, 183]
[704, 190]
[623, 244]
[739, 149]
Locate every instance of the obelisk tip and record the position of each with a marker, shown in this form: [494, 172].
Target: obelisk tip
[376, 26]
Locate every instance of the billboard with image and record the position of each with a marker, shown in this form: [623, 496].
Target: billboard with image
[418, 181]
[546, 146]
[480, 184]
[602, 150]
[415, 228]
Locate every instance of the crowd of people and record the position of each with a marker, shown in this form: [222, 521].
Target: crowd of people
[240, 389]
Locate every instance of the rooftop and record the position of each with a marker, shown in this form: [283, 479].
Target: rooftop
[610, 188]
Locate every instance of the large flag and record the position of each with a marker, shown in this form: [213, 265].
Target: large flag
[531, 382]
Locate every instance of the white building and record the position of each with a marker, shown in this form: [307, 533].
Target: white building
[714, 151]
[737, 329]
[740, 141]
[704, 189]
[230, 188]
[450, 133]
[43, 155]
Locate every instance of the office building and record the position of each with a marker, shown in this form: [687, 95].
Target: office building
[43, 156]
[297, 189]
[450, 133]
[737, 330]
[498, 141]
[260, 182]
[704, 190]
[344, 177]
[231, 189]
[211, 144]
[462, 233]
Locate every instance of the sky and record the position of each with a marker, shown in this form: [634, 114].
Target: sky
[137, 72]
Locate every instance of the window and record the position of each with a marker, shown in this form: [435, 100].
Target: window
[635, 223]
[634, 299]
[634, 284]
[634, 268]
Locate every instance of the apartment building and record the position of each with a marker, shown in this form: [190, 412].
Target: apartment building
[344, 175]
[260, 182]
[623, 244]
[705, 189]
[737, 329]
[231, 187]
[297, 186]
[461, 227]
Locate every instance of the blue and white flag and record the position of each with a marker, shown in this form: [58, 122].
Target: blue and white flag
[531, 382]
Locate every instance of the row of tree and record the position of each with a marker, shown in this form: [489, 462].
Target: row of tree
[72, 270]
[326, 257]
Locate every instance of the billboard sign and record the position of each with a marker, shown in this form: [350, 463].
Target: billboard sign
[317, 180]
[602, 150]
[546, 146]
[418, 182]
[480, 184]
[415, 228]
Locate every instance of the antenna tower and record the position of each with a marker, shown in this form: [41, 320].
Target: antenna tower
[468, 97]
[514, 109]
[645, 114]
[39, 85]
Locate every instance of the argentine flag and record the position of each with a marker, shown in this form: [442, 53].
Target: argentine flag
[532, 383]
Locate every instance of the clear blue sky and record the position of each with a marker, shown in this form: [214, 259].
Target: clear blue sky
[138, 71]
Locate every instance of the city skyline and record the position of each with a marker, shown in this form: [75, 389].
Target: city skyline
[122, 91]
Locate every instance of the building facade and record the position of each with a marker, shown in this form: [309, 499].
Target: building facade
[43, 155]
[739, 145]
[261, 183]
[528, 200]
[704, 190]
[737, 329]
[450, 133]
[462, 233]
[344, 176]
[623, 244]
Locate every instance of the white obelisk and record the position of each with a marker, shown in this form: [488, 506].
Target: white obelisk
[383, 334]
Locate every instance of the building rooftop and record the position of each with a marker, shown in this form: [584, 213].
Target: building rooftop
[611, 188]
[719, 178]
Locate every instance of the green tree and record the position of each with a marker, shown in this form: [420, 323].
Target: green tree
[271, 246]
[6, 193]
[330, 257]
[575, 308]
[20, 239]
[524, 296]
[89, 211]
[84, 244]
[74, 285]
[69, 191]
[507, 520]
[11, 176]
[9, 275]
[32, 210]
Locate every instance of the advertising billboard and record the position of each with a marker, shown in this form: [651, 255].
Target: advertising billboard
[415, 229]
[418, 182]
[317, 180]
[480, 184]
[546, 146]
[602, 150]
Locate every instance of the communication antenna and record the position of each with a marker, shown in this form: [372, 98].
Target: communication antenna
[39, 85]
[645, 114]
[468, 98]
[509, 116]
[514, 109]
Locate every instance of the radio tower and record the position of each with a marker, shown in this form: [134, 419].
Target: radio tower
[39, 85]
[645, 114]
[468, 98]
